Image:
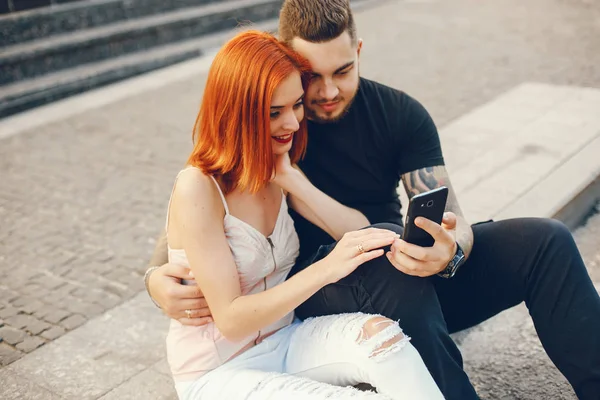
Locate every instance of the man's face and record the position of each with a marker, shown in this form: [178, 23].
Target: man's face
[335, 76]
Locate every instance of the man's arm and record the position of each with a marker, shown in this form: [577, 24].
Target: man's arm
[160, 254]
[165, 288]
[322, 210]
[426, 261]
[426, 179]
[317, 207]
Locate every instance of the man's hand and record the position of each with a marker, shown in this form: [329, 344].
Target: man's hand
[284, 170]
[426, 261]
[174, 298]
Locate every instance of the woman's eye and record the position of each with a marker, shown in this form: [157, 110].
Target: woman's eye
[274, 114]
[298, 105]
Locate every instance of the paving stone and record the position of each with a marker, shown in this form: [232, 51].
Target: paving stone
[30, 343]
[52, 282]
[12, 335]
[73, 321]
[96, 296]
[54, 299]
[87, 309]
[27, 322]
[8, 312]
[43, 311]
[55, 316]
[108, 301]
[31, 289]
[8, 354]
[7, 294]
[53, 333]
[22, 301]
[1, 323]
[32, 307]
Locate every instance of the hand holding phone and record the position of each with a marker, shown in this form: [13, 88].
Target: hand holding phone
[430, 205]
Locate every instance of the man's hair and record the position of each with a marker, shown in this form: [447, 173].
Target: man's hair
[232, 132]
[316, 21]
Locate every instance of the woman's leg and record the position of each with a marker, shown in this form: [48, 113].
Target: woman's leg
[258, 374]
[347, 349]
[253, 384]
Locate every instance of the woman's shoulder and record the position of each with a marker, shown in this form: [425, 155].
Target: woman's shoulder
[193, 186]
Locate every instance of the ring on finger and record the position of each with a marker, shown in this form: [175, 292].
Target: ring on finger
[360, 248]
[188, 313]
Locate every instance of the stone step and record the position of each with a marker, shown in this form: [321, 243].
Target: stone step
[31, 93]
[64, 51]
[70, 17]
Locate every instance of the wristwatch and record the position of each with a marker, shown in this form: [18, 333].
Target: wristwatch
[454, 264]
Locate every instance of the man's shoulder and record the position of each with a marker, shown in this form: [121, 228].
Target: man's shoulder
[387, 98]
[375, 89]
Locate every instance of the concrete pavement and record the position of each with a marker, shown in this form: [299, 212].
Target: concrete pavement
[85, 183]
[120, 354]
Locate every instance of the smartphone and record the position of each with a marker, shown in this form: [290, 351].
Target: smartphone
[430, 205]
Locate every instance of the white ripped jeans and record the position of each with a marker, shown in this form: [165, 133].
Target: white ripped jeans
[321, 358]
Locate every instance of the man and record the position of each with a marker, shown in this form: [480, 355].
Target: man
[363, 138]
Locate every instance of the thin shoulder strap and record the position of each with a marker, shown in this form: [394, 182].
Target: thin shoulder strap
[222, 195]
[173, 190]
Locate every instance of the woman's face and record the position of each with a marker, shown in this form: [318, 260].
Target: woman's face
[287, 110]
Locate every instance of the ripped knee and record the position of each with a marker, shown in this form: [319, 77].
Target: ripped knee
[381, 337]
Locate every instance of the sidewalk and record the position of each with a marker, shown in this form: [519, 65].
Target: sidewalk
[120, 354]
[85, 184]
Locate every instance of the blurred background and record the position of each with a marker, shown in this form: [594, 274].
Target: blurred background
[97, 103]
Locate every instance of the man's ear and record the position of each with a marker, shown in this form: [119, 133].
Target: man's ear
[359, 46]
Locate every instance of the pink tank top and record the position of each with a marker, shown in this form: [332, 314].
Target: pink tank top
[262, 262]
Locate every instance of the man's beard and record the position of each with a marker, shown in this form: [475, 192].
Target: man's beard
[314, 117]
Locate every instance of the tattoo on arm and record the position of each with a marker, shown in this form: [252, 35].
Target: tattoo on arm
[426, 179]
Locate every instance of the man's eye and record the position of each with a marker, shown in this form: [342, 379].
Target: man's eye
[343, 72]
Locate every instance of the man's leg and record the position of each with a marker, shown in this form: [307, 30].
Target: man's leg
[536, 261]
[378, 288]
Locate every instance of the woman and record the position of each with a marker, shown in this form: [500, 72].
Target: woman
[228, 222]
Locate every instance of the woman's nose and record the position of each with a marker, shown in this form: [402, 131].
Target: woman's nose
[291, 122]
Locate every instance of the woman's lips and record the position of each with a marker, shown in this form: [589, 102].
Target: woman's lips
[283, 139]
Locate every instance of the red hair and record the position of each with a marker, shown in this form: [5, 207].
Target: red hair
[232, 131]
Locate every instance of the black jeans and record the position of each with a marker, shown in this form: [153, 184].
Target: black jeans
[531, 260]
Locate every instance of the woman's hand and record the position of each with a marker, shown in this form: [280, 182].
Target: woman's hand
[356, 248]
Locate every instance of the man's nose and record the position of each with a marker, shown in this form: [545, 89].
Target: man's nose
[329, 90]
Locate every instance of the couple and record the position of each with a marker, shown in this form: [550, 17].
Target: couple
[228, 222]
[363, 138]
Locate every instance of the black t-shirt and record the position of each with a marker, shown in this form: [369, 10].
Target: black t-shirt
[359, 159]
